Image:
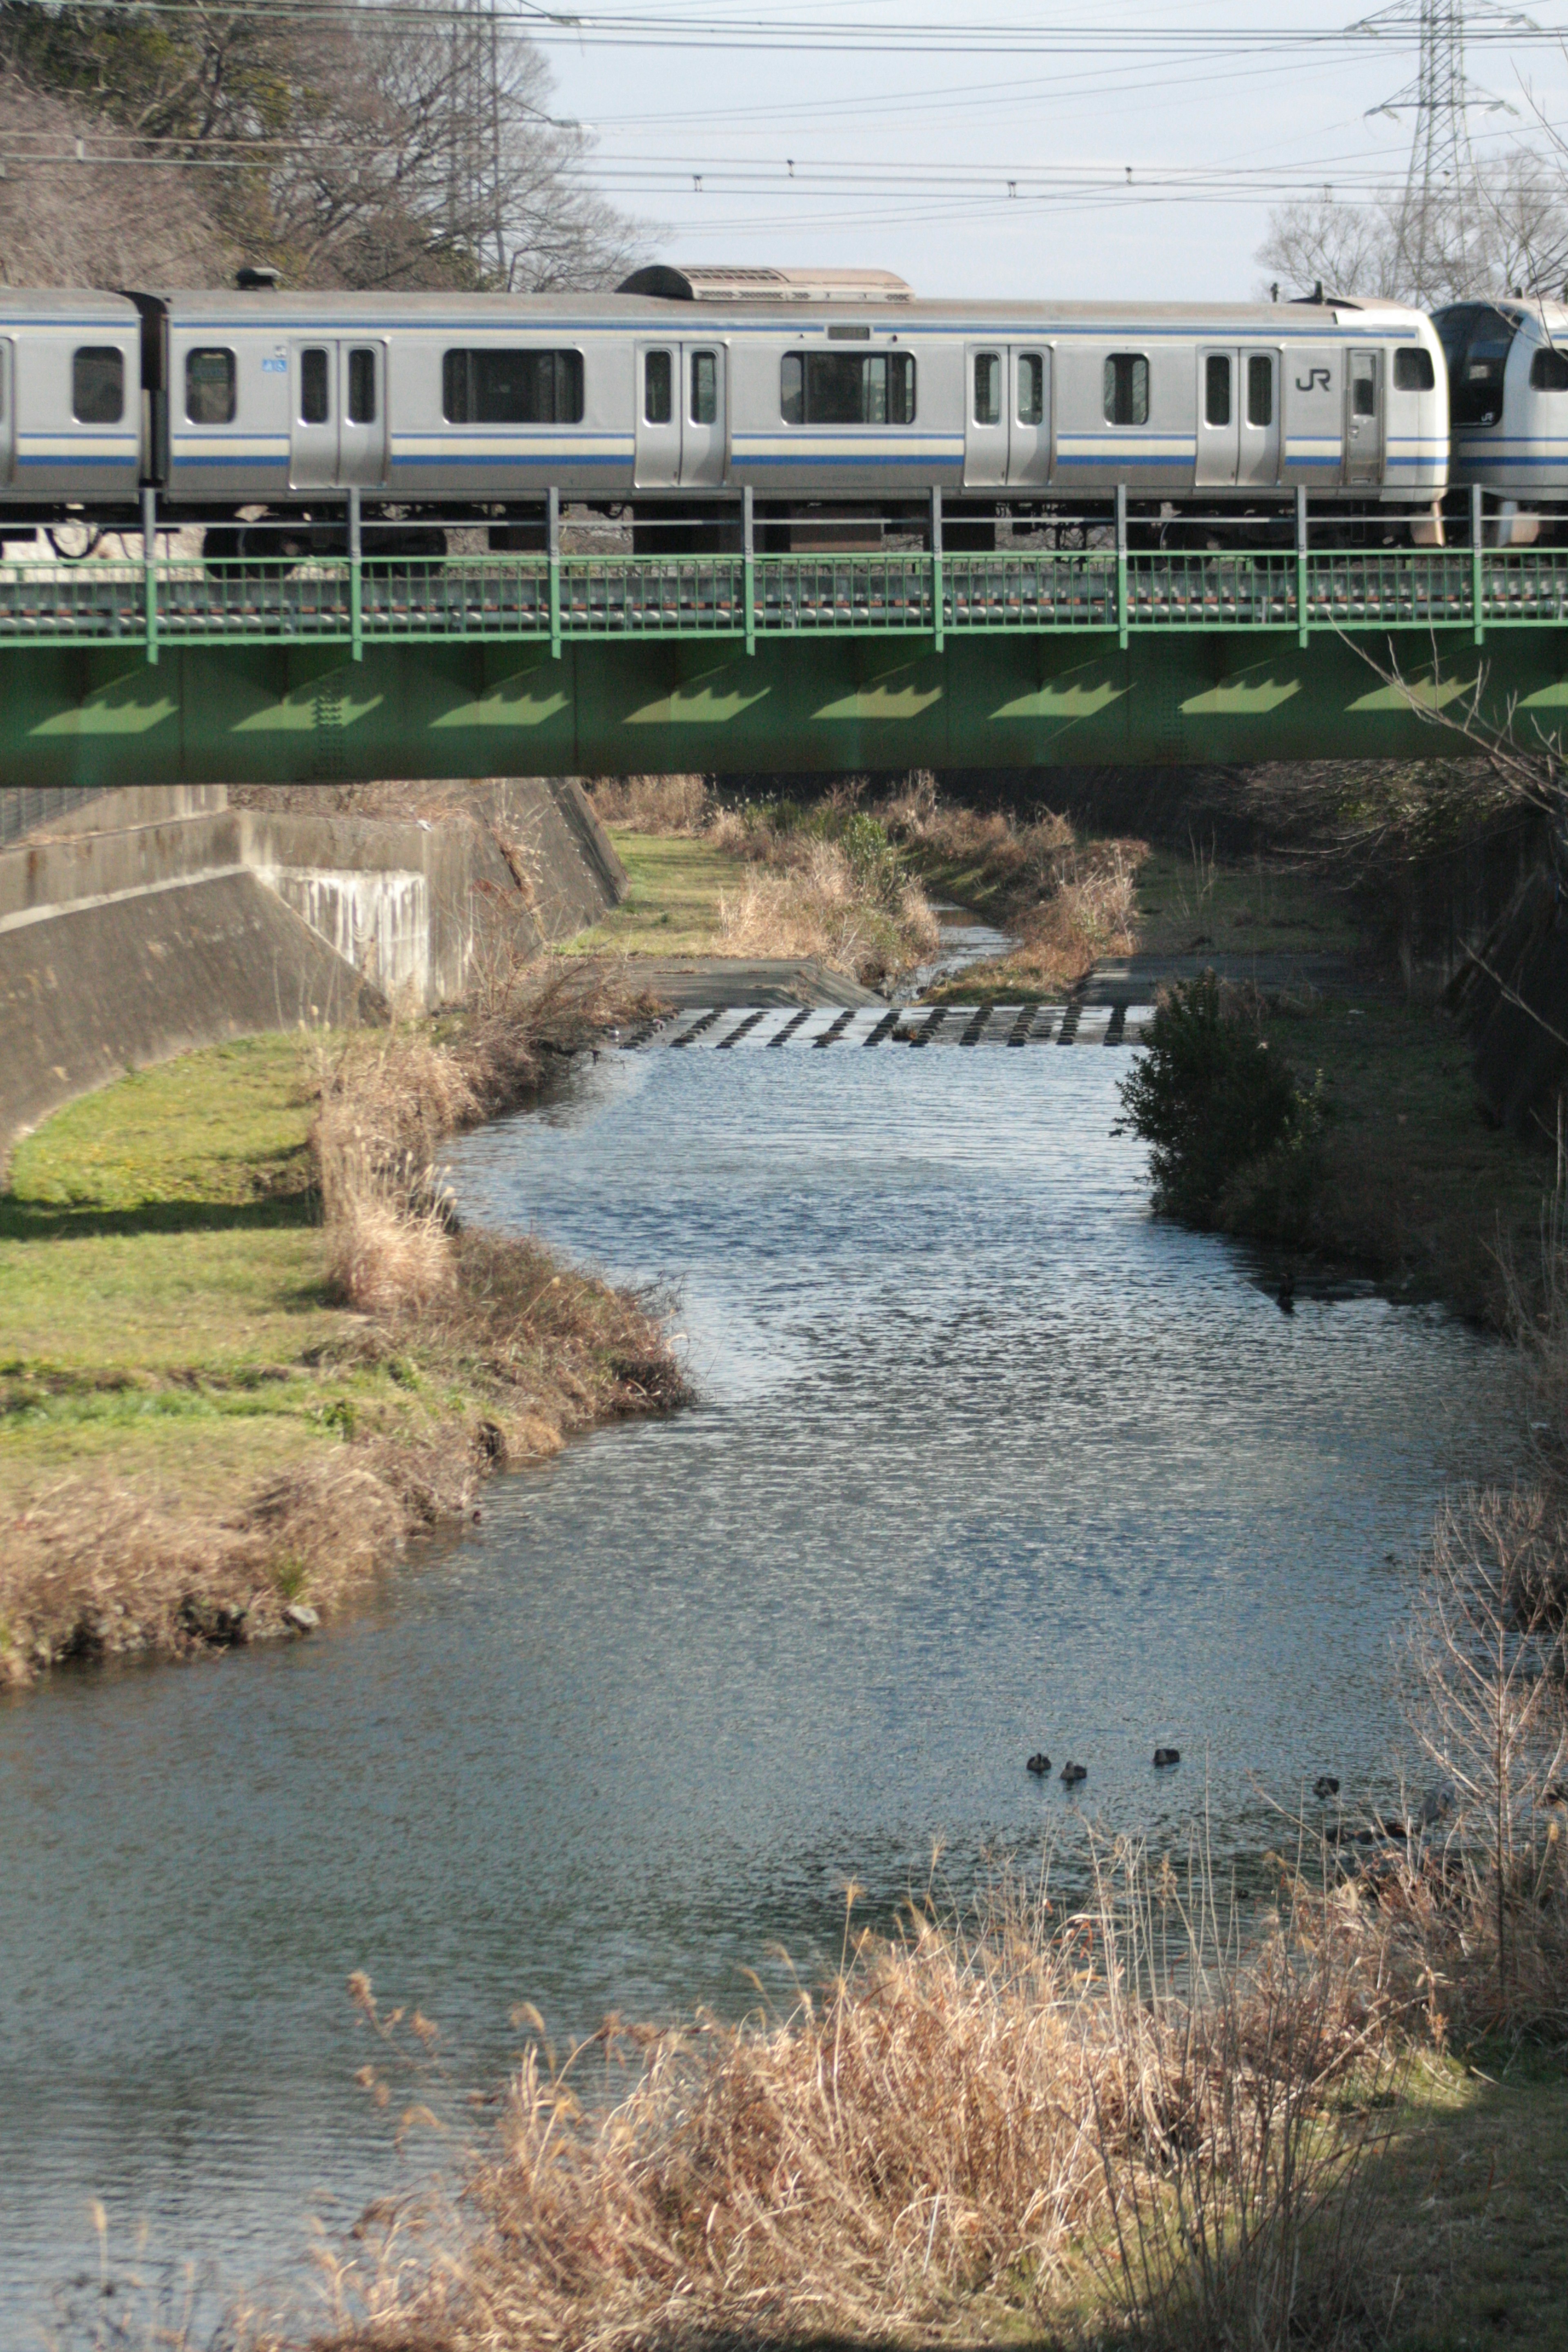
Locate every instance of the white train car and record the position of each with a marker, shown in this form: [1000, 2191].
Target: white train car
[72, 411]
[827, 391]
[1508, 394]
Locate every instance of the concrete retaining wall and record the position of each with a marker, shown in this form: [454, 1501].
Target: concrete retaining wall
[101, 988]
[125, 946]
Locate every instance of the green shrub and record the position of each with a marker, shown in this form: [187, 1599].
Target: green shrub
[1212, 1099]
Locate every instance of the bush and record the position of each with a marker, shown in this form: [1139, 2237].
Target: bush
[1211, 1098]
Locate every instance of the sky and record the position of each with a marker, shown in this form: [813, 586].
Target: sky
[1145, 141]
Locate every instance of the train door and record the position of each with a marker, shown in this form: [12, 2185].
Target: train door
[337, 426]
[314, 416]
[681, 437]
[702, 431]
[1363, 417]
[986, 417]
[1030, 425]
[1219, 431]
[361, 412]
[1257, 418]
[7, 411]
[658, 417]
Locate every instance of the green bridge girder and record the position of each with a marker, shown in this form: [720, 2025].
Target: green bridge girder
[168, 671]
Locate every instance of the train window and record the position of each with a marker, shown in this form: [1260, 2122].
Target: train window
[1216, 389]
[511, 387]
[657, 394]
[1126, 388]
[209, 387]
[1259, 389]
[1364, 386]
[1548, 371]
[315, 389]
[361, 386]
[1477, 363]
[1412, 370]
[98, 385]
[704, 387]
[987, 387]
[848, 388]
[1031, 388]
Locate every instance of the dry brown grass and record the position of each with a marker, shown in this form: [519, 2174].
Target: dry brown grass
[975, 2127]
[809, 899]
[1474, 1898]
[1015, 861]
[669, 805]
[1071, 900]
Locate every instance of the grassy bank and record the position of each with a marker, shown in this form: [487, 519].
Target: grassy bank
[769, 878]
[245, 1360]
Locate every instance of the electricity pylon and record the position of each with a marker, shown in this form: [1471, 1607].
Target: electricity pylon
[1439, 213]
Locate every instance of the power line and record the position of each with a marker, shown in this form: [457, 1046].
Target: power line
[838, 34]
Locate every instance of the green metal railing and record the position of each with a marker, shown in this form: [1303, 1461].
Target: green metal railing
[359, 600]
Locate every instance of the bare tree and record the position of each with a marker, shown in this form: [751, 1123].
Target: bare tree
[1347, 248]
[360, 147]
[1508, 227]
[65, 222]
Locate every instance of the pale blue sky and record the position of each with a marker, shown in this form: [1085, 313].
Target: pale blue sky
[902, 155]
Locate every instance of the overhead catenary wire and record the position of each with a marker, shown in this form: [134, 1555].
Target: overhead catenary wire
[837, 32]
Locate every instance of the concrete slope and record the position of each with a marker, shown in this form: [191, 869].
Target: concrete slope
[90, 991]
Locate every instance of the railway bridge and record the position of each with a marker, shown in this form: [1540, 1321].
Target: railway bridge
[172, 670]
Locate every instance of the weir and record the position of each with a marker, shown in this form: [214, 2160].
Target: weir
[172, 670]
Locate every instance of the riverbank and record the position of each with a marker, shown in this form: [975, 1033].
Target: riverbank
[775, 879]
[1010, 2152]
[246, 1359]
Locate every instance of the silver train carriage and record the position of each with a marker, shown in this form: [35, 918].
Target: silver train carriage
[1507, 396]
[820, 392]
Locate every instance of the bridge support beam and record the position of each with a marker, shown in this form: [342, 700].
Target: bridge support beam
[241, 714]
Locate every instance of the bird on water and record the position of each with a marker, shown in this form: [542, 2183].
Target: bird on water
[1325, 1786]
[1163, 1756]
[1073, 1773]
[1039, 1765]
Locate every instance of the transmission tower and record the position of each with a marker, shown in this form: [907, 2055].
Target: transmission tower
[1438, 215]
[475, 201]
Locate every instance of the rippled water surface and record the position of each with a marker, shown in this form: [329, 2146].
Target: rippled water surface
[987, 1461]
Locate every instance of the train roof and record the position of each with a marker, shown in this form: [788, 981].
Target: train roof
[1549, 318]
[23, 303]
[738, 282]
[307, 310]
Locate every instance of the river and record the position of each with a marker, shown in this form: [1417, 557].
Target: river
[986, 1460]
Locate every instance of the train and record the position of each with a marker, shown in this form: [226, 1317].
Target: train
[1507, 375]
[836, 398]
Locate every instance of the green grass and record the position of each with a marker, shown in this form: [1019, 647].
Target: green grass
[164, 1309]
[1477, 2231]
[1188, 902]
[672, 907]
[1417, 1188]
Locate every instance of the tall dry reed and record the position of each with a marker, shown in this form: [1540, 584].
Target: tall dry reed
[812, 900]
[670, 804]
[1071, 899]
[974, 2126]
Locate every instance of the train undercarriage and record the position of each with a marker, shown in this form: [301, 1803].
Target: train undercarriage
[388, 532]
